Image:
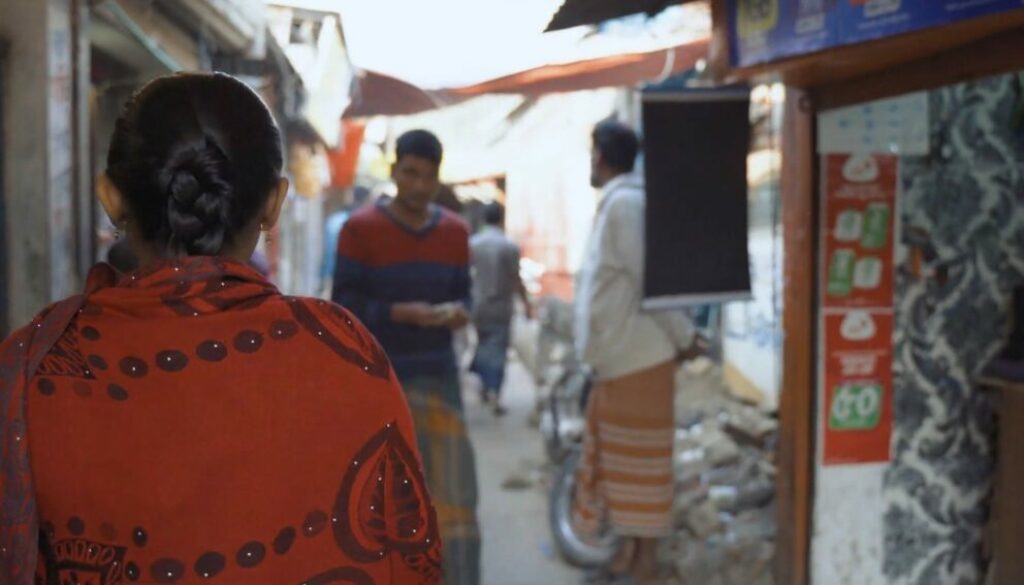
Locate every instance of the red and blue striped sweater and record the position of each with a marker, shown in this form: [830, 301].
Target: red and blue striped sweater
[382, 261]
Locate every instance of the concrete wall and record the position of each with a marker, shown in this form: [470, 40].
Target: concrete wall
[752, 331]
[37, 153]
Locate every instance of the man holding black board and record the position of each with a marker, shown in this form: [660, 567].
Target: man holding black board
[625, 480]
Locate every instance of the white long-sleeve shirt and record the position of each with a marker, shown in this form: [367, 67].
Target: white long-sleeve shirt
[613, 335]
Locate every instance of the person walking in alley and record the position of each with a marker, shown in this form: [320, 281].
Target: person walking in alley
[625, 480]
[186, 421]
[496, 283]
[403, 268]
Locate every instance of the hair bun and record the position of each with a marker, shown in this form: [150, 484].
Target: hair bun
[196, 156]
[198, 195]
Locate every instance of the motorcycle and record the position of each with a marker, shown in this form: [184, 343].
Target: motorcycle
[565, 386]
[563, 423]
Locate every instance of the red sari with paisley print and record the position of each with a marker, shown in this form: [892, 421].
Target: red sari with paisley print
[190, 424]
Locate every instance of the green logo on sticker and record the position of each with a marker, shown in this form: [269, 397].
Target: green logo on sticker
[855, 407]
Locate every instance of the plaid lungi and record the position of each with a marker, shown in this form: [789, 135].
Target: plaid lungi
[450, 466]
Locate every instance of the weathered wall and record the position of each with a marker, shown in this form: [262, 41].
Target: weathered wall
[38, 151]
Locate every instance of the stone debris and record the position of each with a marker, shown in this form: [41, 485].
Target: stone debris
[725, 478]
[703, 519]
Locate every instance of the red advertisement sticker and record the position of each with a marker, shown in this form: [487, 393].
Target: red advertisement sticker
[858, 230]
[858, 386]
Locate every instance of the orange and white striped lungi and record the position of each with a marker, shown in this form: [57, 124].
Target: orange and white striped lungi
[625, 480]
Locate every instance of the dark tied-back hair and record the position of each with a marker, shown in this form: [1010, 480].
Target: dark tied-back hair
[618, 145]
[494, 214]
[419, 143]
[121, 256]
[195, 155]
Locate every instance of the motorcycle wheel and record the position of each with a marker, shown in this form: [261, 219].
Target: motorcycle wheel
[571, 546]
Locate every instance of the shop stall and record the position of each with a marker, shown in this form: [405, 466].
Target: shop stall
[903, 168]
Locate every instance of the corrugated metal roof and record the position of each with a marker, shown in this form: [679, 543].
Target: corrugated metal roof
[581, 12]
[626, 70]
[382, 95]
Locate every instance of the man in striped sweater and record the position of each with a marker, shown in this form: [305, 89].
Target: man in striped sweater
[403, 269]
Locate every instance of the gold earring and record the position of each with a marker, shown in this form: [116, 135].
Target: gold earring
[266, 233]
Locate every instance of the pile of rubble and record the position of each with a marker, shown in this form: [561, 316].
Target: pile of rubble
[725, 474]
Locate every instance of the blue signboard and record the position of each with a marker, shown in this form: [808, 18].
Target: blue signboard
[766, 30]
[866, 20]
[769, 30]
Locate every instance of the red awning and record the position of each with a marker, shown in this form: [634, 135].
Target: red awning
[626, 70]
[382, 95]
[377, 94]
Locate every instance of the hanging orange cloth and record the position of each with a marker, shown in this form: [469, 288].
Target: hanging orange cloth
[345, 159]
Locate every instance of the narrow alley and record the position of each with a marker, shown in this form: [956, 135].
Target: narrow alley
[748, 277]
[513, 497]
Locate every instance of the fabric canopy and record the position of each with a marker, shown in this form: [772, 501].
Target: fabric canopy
[625, 70]
[377, 94]
[382, 95]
